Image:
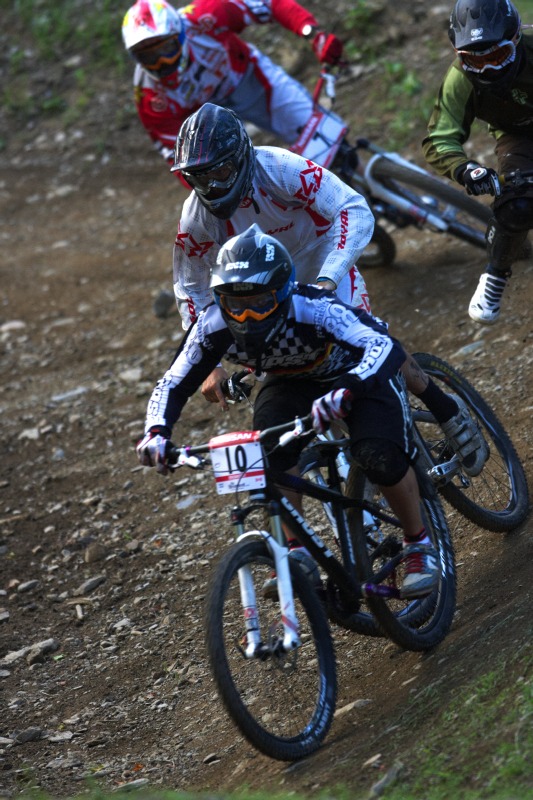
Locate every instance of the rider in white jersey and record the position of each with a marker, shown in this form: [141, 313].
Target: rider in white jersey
[323, 223]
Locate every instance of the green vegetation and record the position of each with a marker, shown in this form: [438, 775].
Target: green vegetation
[62, 28]
[480, 745]
[67, 38]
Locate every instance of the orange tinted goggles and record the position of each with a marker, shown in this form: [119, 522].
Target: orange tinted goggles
[495, 57]
[161, 54]
[258, 306]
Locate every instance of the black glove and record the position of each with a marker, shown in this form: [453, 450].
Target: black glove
[480, 180]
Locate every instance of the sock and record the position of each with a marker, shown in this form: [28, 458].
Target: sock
[420, 538]
[442, 406]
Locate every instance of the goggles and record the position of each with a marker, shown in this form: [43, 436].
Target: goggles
[164, 53]
[496, 57]
[221, 177]
[257, 306]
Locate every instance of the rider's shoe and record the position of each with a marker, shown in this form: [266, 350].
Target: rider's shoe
[421, 569]
[485, 304]
[308, 565]
[466, 440]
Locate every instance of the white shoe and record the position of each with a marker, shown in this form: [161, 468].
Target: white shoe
[485, 303]
[422, 573]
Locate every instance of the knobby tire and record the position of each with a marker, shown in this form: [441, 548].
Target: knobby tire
[498, 498]
[418, 624]
[404, 180]
[284, 706]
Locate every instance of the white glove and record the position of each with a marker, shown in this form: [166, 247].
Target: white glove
[333, 405]
[151, 451]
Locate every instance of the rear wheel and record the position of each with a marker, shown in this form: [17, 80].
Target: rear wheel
[415, 624]
[380, 251]
[282, 702]
[497, 499]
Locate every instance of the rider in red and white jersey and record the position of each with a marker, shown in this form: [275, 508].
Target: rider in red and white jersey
[189, 56]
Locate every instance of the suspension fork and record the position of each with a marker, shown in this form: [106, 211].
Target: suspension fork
[277, 545]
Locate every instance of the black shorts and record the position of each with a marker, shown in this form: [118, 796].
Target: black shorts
[384, 414]
[513, 152]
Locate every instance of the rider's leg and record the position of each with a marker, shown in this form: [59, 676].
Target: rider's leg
[504, 243]
[507, 230]
[461, 430]
[271, 99]
[387, 466]
[445, 408]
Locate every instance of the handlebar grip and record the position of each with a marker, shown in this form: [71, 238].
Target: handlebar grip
[234, 389]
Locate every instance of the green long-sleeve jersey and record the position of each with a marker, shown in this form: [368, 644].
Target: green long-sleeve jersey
[459, 103]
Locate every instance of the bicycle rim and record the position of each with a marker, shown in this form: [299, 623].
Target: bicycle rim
[497, 499]
[418, 624]
[283, 704]
[466, 217]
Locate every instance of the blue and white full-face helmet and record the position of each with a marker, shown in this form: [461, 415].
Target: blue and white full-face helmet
[253, 285]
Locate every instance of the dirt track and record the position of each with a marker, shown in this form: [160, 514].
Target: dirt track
[96, 558]
[124, 693]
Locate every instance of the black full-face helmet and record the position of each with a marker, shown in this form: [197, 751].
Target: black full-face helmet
[253, 284]
[486, 37]
[216, 157]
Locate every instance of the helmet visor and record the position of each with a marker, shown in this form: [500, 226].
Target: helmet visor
[213, 182]
[163, 54]
[257, 306]
[496, 57]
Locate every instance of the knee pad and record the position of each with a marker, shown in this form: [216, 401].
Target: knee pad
[515, 214]
[384, 463]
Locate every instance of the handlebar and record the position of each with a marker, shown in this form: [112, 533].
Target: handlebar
[285, 433]
[234, 389]
[517, 177]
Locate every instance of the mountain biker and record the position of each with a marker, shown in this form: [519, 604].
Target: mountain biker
[320, 355]
[491, 80]
[322, 222]
[188, 56]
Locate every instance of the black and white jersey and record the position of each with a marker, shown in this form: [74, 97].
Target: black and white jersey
[322, 338]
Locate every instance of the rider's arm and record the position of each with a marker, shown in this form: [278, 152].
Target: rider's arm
[200, 351]
[160, 120]
[450, 124]
[337, 219]
[352, 225]
[236, 15]
[196, 245]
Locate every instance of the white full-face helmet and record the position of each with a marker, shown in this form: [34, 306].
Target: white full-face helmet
[154, 34]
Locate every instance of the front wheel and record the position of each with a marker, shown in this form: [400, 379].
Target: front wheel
[282, 702]
[466, 217]
[415, 624]
[497, 499]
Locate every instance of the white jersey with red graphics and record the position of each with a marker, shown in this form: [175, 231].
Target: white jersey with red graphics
[224, 69]
[324, 224]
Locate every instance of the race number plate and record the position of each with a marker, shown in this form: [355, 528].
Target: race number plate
[237, 460]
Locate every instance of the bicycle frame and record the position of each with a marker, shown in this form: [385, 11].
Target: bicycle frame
[280, 510]
[420, 215]
[324, 137]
